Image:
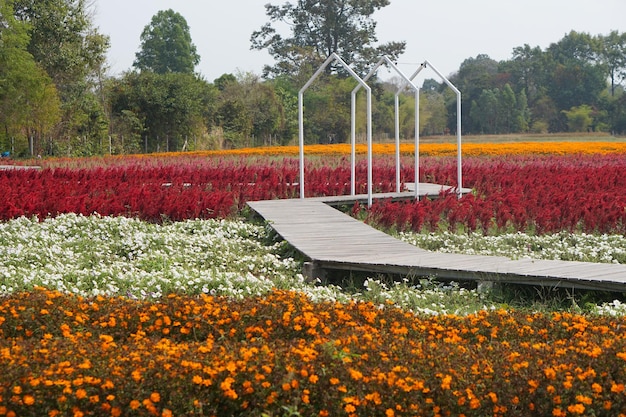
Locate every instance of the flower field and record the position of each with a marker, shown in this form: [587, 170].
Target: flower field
[133, 286]
[282, 354]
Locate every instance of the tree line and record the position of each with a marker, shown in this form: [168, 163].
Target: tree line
[56, 97]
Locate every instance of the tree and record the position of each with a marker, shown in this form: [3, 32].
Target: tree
[166, 45]
[166, 108]
[579, 118]
[257, 105]
[613, 55]
[577, 75]
[474, 76]
[29, 103]
[319, 28]
[65, 44]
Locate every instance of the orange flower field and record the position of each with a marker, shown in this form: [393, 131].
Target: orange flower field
[430, 149]
[284, 355]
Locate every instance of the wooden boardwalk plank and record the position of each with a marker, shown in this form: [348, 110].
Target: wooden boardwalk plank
[332, 239]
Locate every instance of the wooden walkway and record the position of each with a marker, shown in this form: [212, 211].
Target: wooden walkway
[334, 240]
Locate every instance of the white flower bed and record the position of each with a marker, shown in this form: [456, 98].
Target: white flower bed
[560, 246]
[118, 256]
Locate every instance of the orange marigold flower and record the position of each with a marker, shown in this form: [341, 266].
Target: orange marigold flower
[557, 412]
[116, 412]
[28, 400]
[474, 403]
[389, 412]
[584, 400]
[597, 388]
[81, 393]
[576, 408]
[445, 382]
[134, 404]
[334, 381]
[550, 373]
[617, 388]
[155, 397]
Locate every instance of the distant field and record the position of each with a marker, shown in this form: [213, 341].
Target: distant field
[540, 137]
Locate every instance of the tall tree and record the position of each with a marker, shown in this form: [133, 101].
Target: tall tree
[65, 44]
[166, 45]
[166, 108]
[613, 55]
[319, 28]
[474, 76]
[29, 103]
[577, 74]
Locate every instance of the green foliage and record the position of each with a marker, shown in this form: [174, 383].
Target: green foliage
[164, 108]
[166, 45]
[579, 118]
[69, 56]
[29, 103]
[319, 29]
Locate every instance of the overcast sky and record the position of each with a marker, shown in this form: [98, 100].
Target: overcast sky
[444, 33]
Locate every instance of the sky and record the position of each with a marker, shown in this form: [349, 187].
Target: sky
[444, 33]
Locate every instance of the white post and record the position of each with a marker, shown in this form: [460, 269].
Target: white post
[301, 141]
[353, 144]
[459, 169]
[397, 129]
[417, 144]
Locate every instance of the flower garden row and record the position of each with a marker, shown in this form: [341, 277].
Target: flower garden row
[281, 354]
[538, 193]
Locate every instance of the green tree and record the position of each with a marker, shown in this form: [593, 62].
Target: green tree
[474, 76]
[258, 105]
[29, 104]
[319, 28]
[166, 45]
[577, 75]
[613, 55]
[65, 44]
[579, 119]
[508, 110]
[527, 71]
[165, 109]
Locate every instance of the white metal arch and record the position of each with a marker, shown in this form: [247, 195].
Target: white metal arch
[408, 82]
[459, 168]
[333, 58]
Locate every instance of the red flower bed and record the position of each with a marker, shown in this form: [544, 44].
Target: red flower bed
[541, 193]
[191, 188]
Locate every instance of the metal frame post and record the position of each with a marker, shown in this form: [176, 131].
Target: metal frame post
[385, 60]
[332, 58]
